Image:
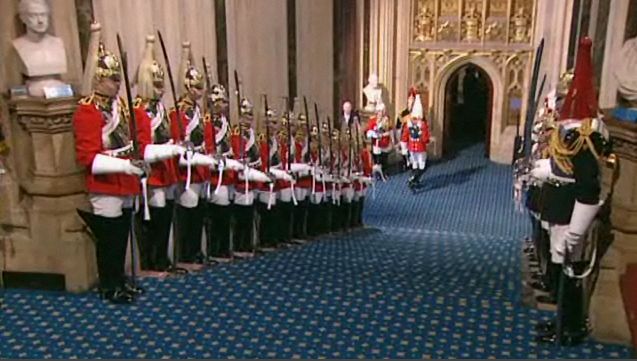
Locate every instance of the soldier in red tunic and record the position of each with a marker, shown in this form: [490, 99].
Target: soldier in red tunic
[163, 176]
[222, 180]
[197, 134]
[286, 196]
[304, 178]
[246, 150]
[381, 134]
[103, 144]
[416, 135]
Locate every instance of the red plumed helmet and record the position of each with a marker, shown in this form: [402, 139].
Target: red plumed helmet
[412, 91]
[581, 100]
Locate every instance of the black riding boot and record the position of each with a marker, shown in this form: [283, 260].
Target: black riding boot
[284, 222]
[244, 227]
[298, 219]
[109, 234]
[219, 230]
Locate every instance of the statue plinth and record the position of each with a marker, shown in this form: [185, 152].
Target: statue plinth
[44, 232]
[608, 310]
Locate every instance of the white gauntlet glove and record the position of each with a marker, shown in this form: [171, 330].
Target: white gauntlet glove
[104, 164]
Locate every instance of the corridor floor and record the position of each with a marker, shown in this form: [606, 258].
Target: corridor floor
[435, 274]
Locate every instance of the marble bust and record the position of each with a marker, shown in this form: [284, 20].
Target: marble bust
[43, 56]
[374, 93]
[625, 72]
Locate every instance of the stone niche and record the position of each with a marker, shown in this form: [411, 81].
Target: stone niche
[42, 233]
[608, 309]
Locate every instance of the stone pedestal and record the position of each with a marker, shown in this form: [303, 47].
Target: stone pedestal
[41, 230]
[607, 309]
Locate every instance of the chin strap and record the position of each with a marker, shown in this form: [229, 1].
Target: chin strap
[271, 196]
[144, 182]
[293, 195]
[219, 178]
[189, 168]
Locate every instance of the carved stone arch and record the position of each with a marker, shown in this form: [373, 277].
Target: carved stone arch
[439, 94]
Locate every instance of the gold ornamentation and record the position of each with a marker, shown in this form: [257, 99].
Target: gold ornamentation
[424, 24]
[471, 23]
[494, 31]
[520, 26]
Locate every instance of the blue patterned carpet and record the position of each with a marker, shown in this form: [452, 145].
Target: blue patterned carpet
[436, 275]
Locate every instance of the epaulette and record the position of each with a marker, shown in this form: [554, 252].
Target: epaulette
[87, 100]
[138, 102]
[185, 104]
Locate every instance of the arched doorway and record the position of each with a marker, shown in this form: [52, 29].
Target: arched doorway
[467, 113]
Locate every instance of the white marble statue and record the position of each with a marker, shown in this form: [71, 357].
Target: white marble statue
[42, 55]
[625, 66]
[374, 94]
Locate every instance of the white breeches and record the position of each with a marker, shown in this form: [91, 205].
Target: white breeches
[348, 194]
[300, 194]
[244, 199]
[418, 160]
[559, 243]
[157, 196]
[316, 198]
[403, 148]
[109, 206]
[267, 197]
[285, 195]
[223, 197]
[189, 198]
[360, 194]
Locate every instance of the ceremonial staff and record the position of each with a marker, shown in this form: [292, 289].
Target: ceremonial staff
[267, 134]
[137, 154]
[290, 138]
[173, 268]
[329, 131]
[307, 129]
[318, 127]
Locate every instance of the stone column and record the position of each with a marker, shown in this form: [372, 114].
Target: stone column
[257, 49]
[614, 42]
[44, 232]
[382, 48]
[315, 53]
[403, 39]
[607, 310]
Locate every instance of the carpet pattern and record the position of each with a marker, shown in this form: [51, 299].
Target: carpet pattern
[436, 275]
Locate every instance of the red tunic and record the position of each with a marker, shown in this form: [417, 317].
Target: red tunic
[163, 173]
[384, 140]
[416, 135]
[229, 176]
[305, 181]
[200, 174]
[236, 142]
[366, 163]
[88, 122]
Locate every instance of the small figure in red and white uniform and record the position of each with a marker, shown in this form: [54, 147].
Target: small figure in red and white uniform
[197, 134]
[286, 188]
[305, 179]
[222, 179]
[246, 150]
[104, 146]
[380, 132]
[161, 153]
[416, 135]
[362, 180]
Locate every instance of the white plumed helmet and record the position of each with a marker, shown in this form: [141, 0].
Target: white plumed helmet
[416, 110]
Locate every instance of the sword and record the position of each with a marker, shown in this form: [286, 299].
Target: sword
[136, 154]
[173, 267]
[518, 150]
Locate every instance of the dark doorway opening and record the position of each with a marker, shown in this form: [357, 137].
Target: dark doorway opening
[468, 95]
